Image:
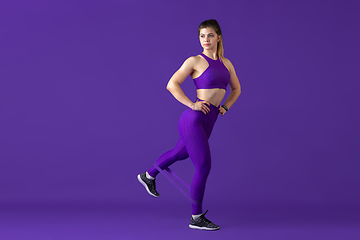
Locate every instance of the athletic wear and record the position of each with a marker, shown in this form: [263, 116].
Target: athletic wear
[149, 184]
[195, 129]
[202, 223]
[215, 76]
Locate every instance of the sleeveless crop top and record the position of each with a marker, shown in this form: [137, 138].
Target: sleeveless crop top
[215, 76]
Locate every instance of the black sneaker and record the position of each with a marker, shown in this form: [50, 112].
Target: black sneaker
[203, 223]
[149, 184]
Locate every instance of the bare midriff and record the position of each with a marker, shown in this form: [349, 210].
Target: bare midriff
[213, 96]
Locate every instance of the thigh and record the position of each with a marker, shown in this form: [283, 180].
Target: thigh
[195, 137]
[180, 152]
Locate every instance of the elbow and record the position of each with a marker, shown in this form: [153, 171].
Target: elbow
[237, 91]
[171, 87]
[168, 87]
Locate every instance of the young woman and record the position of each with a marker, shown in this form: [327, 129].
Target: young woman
[211, 73]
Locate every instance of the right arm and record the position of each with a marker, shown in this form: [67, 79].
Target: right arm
[177, 79]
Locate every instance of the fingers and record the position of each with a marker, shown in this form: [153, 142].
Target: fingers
[204, 108]
[222, 111]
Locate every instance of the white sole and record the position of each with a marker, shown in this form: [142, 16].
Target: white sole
[202, 228]
[146, 187]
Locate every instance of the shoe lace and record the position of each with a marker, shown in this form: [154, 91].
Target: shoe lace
[207, 221]
[204, 218]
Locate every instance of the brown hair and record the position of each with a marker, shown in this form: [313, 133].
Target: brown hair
[215, 25]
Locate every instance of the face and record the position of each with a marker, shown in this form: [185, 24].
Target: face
[209, 38]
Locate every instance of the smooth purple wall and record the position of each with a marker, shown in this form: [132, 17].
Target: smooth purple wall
[84, 109]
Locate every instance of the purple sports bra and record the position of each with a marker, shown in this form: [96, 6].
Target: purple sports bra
[215, 76]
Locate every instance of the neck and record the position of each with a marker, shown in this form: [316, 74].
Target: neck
[211, 54]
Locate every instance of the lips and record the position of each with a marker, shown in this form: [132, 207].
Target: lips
[206, 44]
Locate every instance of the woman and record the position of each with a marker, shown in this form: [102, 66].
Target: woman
[211, 73]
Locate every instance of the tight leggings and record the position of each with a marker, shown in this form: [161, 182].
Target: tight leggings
[195, 128]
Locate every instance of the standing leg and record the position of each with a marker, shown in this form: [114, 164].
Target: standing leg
[195, 138]
[195, 132]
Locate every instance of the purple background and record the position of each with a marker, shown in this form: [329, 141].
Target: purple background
[84, 109]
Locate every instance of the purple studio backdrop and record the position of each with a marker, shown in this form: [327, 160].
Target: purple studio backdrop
[84, 109]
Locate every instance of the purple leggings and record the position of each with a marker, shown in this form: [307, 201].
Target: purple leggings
[195, 128]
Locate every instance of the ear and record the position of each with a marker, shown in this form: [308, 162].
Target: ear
[219, 37]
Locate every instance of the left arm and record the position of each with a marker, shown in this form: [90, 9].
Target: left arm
[234, 87]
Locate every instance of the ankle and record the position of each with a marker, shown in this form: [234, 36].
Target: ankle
[149, 177]
[196, 216]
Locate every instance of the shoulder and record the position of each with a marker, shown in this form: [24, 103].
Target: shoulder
[192, 61]
[227, 63]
